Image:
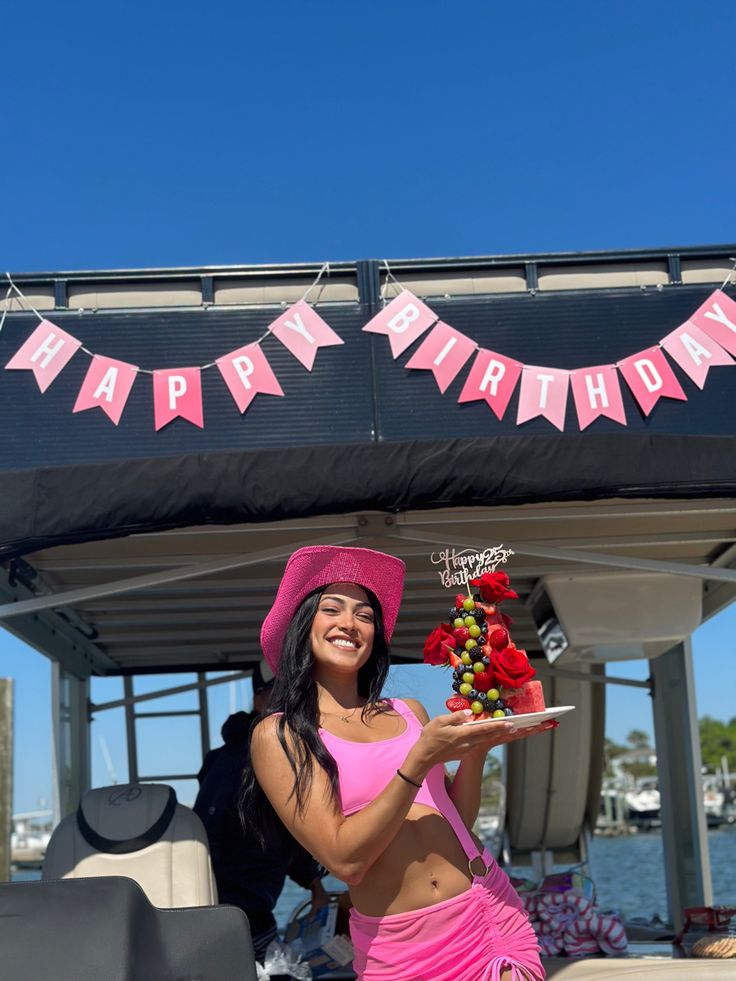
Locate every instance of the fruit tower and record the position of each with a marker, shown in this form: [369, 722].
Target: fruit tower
[491, 676]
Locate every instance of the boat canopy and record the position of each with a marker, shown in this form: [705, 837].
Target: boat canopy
[164, 548]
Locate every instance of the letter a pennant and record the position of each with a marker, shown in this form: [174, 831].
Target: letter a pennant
[107, 386]
[302, 331]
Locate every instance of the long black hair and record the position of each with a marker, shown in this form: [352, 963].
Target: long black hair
[295, 697]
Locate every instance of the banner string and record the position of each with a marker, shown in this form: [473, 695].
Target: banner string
[325, 269]
[6, 307]
[727, 280]
[26, 304]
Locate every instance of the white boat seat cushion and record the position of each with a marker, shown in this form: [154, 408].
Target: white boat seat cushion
[139, 831]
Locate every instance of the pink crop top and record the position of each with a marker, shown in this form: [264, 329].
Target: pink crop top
[365, 769]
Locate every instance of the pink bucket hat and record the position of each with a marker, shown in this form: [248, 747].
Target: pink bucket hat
[319, 565]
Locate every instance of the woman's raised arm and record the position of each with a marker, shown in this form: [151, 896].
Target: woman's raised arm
[348, 846]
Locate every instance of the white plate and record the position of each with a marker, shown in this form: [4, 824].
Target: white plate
[527, 719]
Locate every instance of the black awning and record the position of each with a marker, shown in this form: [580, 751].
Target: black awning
[58, 505]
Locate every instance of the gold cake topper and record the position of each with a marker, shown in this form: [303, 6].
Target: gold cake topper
[459, 566]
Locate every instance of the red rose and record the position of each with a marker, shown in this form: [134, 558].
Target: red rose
[511, 668]
[494, 587]
[438, 645]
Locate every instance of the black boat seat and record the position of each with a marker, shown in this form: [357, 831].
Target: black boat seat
[105, 928]
[139, 831]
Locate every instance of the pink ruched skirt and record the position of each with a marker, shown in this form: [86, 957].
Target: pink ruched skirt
[471, 937]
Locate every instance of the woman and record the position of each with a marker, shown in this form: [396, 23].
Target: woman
[360, 782]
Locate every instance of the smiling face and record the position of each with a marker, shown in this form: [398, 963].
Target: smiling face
[343, 629]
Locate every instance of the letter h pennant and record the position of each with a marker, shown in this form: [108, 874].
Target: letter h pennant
[46, 352]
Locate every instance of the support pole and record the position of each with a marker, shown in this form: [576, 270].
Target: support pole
[679, 765]
[71, 740]
[6, 775]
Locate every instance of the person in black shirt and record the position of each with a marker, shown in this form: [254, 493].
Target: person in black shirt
[248, 875]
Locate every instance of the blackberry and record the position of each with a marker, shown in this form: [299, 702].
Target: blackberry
[456, 686]
[454, 612]
[479, 615]
[476, 654]
[500, 704]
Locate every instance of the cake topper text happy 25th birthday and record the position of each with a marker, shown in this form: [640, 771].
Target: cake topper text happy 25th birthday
[459, 566]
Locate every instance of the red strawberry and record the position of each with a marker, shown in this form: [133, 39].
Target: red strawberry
[462, 634]
[457, 703]
[498, 639]
[454, 659]
[460, 599]
[483, 681]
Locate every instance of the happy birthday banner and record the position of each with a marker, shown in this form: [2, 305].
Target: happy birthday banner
[177, 392]
[706, 339]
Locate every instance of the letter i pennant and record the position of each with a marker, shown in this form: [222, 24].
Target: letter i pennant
[443, 352]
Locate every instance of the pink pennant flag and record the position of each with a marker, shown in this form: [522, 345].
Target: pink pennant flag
[650, 378]
[493, 377]
[694, 351]
[443, 352]
[177, 392]
[303, 331]
[402, 320]
[107, 385]
[543, 393]
[247, 373]
[596, 392]
[45, 353]
[717, 317]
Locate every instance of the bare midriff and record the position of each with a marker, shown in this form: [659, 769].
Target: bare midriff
[423, 865]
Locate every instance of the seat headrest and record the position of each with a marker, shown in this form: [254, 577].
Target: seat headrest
[125, 818]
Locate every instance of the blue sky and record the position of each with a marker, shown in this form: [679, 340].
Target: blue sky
[176, 133]
[180, 134]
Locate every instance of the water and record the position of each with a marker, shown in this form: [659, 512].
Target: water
[628, 873]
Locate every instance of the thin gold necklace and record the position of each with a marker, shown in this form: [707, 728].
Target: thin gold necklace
[345, 718]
